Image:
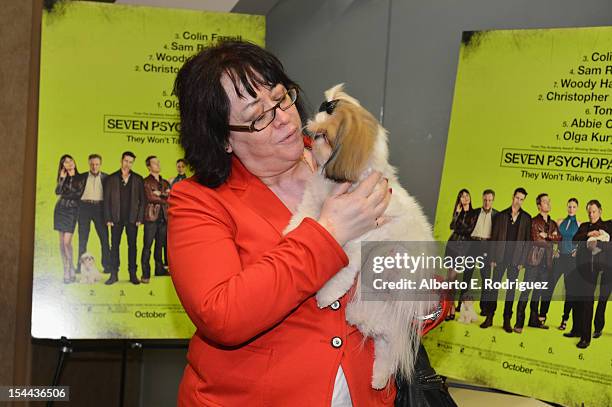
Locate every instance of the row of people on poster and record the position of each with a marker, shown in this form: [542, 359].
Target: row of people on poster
[121, 202]
[549, 249]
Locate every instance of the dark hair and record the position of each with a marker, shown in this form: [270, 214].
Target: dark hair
[92, 156]
[204, 106]
[593, 202]
[458, 200]
[61, 165]
[148, 160]
[488, 191]
[181, 160]
[573, 200]
[539, 198]
[129, 154]
[521, 190]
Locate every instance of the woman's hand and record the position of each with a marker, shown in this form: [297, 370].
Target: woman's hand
[594, 233]
[63, 173]
[347, 215]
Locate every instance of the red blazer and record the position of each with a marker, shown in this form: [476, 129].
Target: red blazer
[261, 340]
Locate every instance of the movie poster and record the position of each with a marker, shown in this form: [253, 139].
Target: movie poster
[532, 109]
[106, 87]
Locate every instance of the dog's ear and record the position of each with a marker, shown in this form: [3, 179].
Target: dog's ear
[352, 144]
[338, 93]
[334, 92]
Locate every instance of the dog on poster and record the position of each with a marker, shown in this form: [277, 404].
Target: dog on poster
[348, 145]
[89, 270]
[592, 241]
[467, 314]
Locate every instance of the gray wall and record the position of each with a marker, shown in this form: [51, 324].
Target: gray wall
[322, 43]
[400, 57]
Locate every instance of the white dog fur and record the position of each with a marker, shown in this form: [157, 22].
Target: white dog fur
[392, 324]
[467, 314]
[603, 237]
[89, 271]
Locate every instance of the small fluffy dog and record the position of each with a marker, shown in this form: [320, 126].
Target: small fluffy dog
[89, 271]
[349, 144]
[467, 314]
[592, 241]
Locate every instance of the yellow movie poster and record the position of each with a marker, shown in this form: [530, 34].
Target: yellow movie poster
[529, 162]
[108, 156]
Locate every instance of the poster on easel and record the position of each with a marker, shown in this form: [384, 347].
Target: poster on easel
[108, 155]
[532, 110]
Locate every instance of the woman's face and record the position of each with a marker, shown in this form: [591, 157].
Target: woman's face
[180, 167]
[68, 164]
[571, 208]
[274, 149]
[465, 199]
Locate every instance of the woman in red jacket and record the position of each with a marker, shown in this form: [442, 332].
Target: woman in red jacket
[261, 340]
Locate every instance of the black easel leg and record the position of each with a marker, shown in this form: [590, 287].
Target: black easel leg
[123, 367]
[65, 349]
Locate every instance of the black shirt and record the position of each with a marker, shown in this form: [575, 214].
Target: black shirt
[160, 187]
[586, 262]
[125, 199]
[511, 236]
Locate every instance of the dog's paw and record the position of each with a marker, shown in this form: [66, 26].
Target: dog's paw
[379, 381]
[326, 297]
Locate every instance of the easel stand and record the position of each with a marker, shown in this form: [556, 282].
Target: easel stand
[65, 350]
[66, 347]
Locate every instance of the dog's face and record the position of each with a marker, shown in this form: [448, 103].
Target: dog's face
[344, 135]
[87, 261]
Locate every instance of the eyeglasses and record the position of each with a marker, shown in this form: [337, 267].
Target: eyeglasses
[267, 117]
